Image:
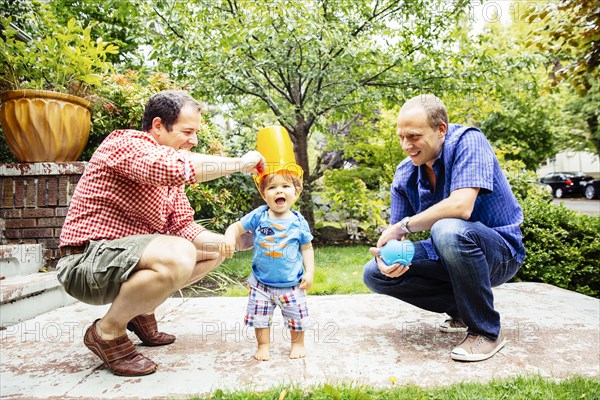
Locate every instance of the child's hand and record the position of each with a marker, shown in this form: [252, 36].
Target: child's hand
[306, 282]
[227, 249]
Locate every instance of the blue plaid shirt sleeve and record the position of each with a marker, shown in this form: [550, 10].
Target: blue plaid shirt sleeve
[397, 207]
[400, 204]
[472, 163]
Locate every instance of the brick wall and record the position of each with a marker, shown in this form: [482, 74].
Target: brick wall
[34, 199]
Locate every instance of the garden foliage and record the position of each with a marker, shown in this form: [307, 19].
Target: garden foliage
[350, 201]
[563, 246]
[119, 103]
[67, 60]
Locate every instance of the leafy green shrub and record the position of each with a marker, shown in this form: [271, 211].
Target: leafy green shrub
[65, 59]
[563, 247]
[6, 157]
[340, 178]
[221, 202]
[523, 182]
[119, 103]
[350, 201]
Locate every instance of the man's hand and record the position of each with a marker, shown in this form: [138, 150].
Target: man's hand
[253, 162]
[390, 233]
[391, 271]
[394, 270]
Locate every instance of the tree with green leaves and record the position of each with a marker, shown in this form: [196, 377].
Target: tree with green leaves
[518, 117]
[301, 61]
[116, 21]
[568, 33]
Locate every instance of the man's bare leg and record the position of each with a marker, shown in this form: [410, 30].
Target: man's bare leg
[298, 350]
[157, 275]
[263, 338]
[207, 255]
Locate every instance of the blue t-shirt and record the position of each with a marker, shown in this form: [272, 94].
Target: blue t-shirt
[467, 160]
[277, 257]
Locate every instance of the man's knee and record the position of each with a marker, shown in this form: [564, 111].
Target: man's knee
[447, 237]
[173, 259]
[369, 272]
[447, 230]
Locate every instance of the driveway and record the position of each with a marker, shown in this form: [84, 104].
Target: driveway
[582, 205]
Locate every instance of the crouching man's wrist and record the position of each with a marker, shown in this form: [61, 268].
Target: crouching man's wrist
[403, 228]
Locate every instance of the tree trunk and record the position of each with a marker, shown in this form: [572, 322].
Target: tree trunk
[299, 136]
[592, 122]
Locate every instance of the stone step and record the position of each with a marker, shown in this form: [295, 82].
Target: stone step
[26, 296]
[20, 259]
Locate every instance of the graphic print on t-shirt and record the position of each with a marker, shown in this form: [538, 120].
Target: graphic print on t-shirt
[272, 241]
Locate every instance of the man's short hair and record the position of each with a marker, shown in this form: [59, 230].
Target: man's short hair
[167, 105]
[433, 106]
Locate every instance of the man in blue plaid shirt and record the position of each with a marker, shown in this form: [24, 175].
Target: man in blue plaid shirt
[451, 184]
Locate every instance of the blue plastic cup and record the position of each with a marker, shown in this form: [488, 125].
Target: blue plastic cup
[397, 252]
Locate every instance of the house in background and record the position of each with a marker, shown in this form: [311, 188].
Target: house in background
[572, 161]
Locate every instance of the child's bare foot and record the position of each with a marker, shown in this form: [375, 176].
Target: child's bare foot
[297, 350]
[263, 352]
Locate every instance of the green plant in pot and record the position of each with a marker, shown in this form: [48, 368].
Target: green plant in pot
[44, 83]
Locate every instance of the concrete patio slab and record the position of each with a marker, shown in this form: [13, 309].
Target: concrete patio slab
[361, 339]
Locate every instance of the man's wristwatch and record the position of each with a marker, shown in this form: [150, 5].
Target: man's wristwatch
[404, 225]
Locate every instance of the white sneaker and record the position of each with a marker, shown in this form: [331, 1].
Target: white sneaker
[477, 348]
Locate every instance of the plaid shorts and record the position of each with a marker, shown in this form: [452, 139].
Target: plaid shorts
[264, 298]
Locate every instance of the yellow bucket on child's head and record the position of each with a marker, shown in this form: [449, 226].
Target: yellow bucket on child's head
[274, 143]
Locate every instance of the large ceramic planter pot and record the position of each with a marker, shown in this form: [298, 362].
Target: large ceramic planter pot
[41, 125]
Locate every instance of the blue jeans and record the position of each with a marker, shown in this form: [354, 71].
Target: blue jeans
[472, 259]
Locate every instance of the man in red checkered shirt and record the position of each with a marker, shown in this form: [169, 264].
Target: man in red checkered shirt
[129, 238]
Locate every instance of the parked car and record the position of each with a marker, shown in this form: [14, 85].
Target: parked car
[592, 189]
[566, 183]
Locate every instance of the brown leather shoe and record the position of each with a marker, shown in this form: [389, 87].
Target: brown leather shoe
[118, 354]
[146, 328]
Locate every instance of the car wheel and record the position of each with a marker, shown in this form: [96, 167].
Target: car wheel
[590, 192]
[559, 193]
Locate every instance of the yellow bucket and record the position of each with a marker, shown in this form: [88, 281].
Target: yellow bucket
[274, 143]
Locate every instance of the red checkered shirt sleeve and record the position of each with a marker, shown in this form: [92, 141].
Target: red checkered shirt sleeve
[139, 157]
[131, 186]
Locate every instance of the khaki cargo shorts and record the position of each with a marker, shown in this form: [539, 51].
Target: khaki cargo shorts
[96, 275]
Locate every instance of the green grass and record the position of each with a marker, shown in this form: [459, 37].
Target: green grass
[338, 270]
[519, 388]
